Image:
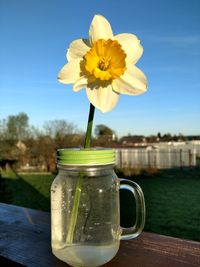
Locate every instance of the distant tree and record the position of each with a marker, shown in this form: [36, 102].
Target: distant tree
[13, 132]
[17, 126]
[3, 128]
[104, 135]
[181, 137]
[63, 133]
[159, 135]
[175, 137]
[167, 137]
[103, 130]
[58, 128]
[27, 145]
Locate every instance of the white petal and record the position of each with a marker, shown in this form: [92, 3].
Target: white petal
[78, 49]
[100, 29]
[70, 72]
[132, 82]
[103, 98]
[131, 45]
[80, 84]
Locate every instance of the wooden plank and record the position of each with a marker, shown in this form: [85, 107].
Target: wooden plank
[8, 262]
[25, 239]
[157, 250]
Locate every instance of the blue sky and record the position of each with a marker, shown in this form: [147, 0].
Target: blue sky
[35, 35]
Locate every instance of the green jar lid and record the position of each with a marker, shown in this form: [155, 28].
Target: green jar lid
[92, 156]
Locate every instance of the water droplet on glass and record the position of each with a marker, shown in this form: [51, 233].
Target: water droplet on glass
[89, 237]
[70, 190]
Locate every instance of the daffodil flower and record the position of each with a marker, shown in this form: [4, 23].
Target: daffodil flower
[104, 65]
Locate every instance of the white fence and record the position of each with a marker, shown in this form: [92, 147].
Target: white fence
[156, 158]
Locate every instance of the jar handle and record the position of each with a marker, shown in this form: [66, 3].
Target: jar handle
[134, 231]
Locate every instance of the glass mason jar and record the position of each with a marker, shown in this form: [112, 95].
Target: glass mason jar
[85, 212]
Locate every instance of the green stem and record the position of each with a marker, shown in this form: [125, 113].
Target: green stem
[77, 196]
[88, 135]
[74, 215]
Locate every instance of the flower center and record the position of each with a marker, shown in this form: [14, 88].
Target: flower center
[105, 60]
[104, 63]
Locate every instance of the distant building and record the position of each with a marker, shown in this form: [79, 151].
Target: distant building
[133, 140]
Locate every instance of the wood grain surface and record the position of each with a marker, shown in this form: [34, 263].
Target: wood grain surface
[25, 241]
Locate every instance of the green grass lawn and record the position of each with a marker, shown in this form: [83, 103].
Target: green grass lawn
[30, 190]
[172, 199]
[172, 203]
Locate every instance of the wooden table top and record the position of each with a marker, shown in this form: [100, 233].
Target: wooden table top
[25, 241]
